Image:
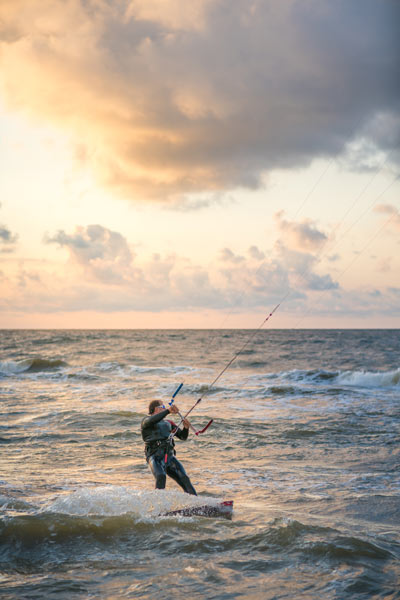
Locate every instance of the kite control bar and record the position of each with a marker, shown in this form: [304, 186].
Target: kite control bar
[170, 403]
[178, 389]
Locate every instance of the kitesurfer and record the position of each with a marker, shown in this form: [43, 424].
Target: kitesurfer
[159, 446]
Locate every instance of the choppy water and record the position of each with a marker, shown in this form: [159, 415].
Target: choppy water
[305, 440]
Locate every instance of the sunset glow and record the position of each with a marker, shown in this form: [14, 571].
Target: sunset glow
[167, 164]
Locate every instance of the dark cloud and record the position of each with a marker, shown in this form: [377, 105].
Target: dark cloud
[169, 99]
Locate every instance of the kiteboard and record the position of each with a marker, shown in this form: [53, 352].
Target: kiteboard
[222, 509]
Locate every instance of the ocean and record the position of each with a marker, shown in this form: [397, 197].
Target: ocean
[305, 441]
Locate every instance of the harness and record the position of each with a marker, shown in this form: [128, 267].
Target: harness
[151, 448]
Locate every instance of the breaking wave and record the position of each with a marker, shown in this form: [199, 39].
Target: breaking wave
[283, 536]
[370, 379]
[32, 365]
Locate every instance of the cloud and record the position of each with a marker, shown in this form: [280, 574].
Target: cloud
[107, 262]
[392, 212]
[227, 255]
[255, 252]
[300, 266]
[102, 273]
[358, 304]
[104, 254]
[302, 236]
[395, 292]
[7, 239]
[384, 265]
[170, 98]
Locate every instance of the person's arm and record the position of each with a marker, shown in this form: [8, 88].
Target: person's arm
[152, 419]
[182, 434]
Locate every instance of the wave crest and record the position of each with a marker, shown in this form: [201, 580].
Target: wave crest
[359, 378]
[370, 378]
[33, 365]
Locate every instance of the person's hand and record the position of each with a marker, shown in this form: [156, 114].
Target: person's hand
[186, 424]
[173, 409]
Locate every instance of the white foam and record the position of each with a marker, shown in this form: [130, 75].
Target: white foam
[4, 501]
[12, 367]
[370, 378]
[143, 369]
[361, 378]
[113, 500]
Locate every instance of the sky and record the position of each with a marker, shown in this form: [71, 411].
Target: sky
[174, 164]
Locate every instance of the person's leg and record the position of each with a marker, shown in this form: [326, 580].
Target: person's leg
[157, 466]
[176, 471]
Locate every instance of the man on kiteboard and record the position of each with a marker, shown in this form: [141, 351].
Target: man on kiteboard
[159, 446]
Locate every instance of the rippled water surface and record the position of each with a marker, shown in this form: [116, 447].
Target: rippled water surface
[305, 440]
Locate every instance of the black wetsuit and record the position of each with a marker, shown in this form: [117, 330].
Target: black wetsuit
[160, 453]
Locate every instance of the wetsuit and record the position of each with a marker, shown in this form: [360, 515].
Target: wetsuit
[160, 453]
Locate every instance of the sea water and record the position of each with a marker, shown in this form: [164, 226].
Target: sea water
[305, 440]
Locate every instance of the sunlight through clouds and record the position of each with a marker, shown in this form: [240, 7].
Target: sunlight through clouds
[170, 99]
[175, 158]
